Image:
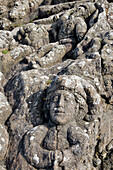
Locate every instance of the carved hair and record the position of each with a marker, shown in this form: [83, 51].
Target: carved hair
[85, 94]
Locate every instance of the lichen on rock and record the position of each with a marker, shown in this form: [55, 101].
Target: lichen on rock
[56, 84]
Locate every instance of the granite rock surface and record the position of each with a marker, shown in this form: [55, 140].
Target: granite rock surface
[56, 85]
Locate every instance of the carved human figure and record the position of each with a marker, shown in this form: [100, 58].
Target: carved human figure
[67, 30]
[61, 142]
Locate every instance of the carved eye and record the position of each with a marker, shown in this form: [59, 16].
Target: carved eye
[55, 98]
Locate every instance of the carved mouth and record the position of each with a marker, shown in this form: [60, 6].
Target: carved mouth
[59, 110]
[59, 113]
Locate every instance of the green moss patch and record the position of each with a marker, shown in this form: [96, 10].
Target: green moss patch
[5, 52]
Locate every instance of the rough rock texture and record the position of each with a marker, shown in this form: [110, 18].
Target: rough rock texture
[4, 138]
[56, 85]
[3, 142]
[5, 109]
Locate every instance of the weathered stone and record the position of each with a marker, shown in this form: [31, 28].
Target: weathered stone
[2, 81]
[94, 18]
[54, 9]
[18, 53]
[2, 168]
[6, 40]
[62, 1]
[107, 70]
[68, 131]
[5, 24]
[93, 38]
[47, 55]
[5, 109]
[22, 9]
[110, 146]
[89, 68]
[21, 163]
[25, 94]
[107, 163]
[28, 35]
[59, 84]
[4, 138]
[3, 11]
[14, 56]
[54, 56]
[110, 15]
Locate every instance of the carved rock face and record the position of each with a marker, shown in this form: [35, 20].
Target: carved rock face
[67, 124]
[62, 107]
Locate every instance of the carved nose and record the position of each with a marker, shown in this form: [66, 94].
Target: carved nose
[61, 100]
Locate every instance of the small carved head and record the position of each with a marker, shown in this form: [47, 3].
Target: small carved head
[67, 99]
[61, 103]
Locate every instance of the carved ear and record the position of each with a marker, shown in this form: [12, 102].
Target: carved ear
[77, 108]
[80, 98]
[93, 100]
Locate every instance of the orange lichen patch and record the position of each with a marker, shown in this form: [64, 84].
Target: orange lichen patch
[44, 99]
[98, 137]
[106, 11]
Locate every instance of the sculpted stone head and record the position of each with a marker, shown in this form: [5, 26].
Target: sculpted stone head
[62, 107]
[66, 99]
[61, 104]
